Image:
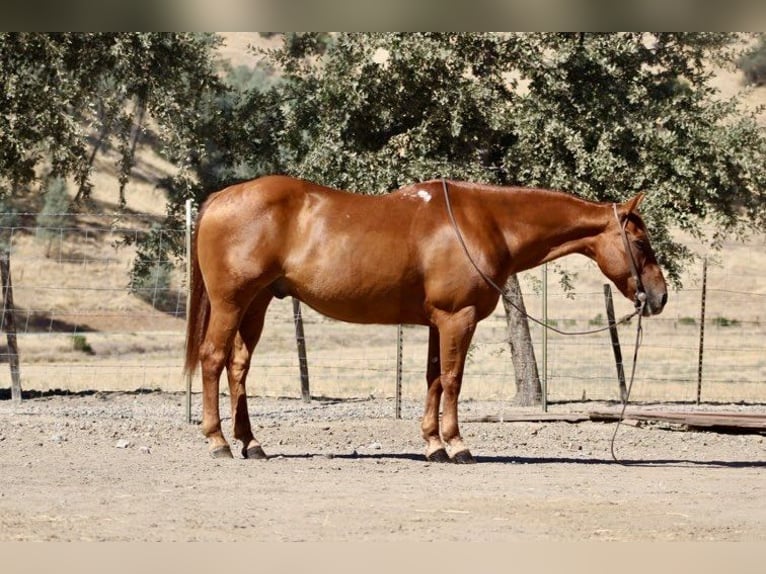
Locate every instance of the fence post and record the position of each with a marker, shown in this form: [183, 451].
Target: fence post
[702, 328]
[615, 341]
[300, 340]
[188, 298]
[544, 379]
[399, 347]
[9, 325]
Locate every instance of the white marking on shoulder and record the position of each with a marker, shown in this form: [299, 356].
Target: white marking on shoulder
[424, 195]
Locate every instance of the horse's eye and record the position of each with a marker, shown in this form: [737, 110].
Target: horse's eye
[640, 244]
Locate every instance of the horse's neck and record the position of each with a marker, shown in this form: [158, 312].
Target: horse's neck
[542, 226]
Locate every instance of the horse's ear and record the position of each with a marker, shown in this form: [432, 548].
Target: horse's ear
[632, 204]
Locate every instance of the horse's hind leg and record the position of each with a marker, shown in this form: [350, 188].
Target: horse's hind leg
[250, 330]
[214, 352]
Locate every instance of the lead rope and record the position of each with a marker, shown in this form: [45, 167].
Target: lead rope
[639, 337]
[491, 283]
[640, 303]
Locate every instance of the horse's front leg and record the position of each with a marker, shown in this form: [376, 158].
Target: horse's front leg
[455, 334]
[435, 451]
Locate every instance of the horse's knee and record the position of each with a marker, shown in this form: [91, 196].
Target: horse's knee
[212, 359]
[450, 385]
[238, 365]
[237, 373]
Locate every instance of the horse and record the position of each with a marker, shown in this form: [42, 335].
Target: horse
[428, 254]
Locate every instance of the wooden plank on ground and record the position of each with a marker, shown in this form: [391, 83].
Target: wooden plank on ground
[730, 422]
[733, 422]
[532, 418]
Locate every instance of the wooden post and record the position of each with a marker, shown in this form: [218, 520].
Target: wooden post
[9, 325]
[615, 341]
[702, 329]
[399, 347]
[300, 340]
[544, 379]
[188, 297]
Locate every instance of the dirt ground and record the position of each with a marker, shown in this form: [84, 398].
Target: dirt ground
[127, 467]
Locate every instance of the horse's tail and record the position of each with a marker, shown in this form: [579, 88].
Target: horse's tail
[198, 313]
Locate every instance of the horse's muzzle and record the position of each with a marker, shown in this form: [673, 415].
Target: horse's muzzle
[653, 303]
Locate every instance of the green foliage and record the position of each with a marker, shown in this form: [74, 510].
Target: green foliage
[61, 88]
[57, 85]
[9, 220]
[687, 321]
[753, 64]
[152, 285]
[725, 322]
[597, 321]
[152, 269]
[50, 222]
[80, 343]
[599, 115]
[377, 111]
[236, 134]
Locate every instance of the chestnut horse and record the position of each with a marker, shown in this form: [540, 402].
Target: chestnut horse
[389, 259]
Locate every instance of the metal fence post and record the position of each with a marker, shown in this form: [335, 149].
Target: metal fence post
[300, 340]
[399, 347]
[544, 378]
[188, 297]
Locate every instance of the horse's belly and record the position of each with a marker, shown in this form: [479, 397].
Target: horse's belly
[352, 313]
[357, 303]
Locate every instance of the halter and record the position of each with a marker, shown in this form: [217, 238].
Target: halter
[640, 291]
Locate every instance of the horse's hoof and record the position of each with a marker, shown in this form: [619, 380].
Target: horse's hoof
[464, 457]
[221, 452]
[254, 452]
[438, 456]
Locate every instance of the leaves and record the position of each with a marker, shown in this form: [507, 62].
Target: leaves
[56, 87]
[599, 115]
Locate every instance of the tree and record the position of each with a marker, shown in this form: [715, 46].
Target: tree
[607, 115]
[49, 220]
[57, 86]
[753, 63]
[599, 115]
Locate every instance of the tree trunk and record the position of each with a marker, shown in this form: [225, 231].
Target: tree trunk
[128, 161]
[83, 190]
[528, 389]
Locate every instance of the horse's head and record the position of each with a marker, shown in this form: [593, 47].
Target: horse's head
[623, 254]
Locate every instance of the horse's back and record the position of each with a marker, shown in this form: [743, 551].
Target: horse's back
[328, 247]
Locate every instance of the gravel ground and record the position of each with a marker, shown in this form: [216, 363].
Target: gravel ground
[127, 467]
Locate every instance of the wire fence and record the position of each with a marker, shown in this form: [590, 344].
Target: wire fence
[84, 323]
